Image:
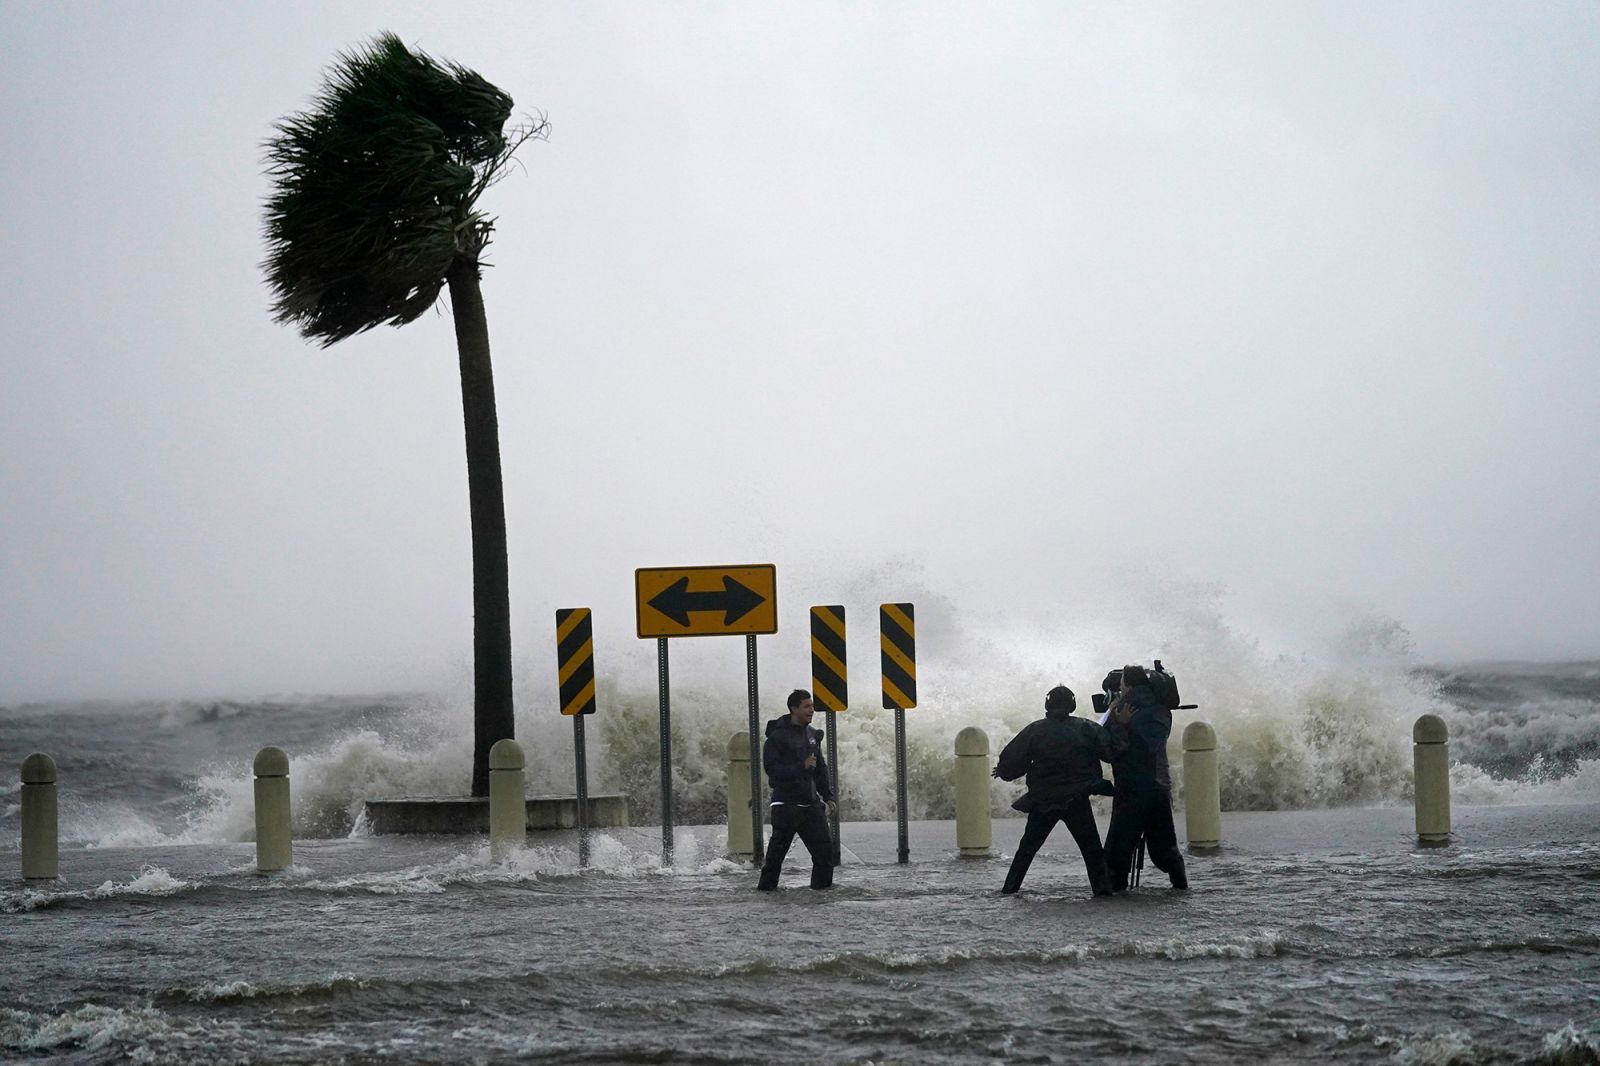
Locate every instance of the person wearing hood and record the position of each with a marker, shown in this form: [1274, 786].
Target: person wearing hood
[802, 796]
[1140, 721]
[1060, 755]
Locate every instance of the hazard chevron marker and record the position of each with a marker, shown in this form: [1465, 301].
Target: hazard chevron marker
[897, 635]
[575, 660]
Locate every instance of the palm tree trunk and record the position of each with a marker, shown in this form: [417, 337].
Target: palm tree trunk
[493, 717]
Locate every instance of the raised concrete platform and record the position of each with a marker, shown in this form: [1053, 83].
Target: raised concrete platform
[470, 814]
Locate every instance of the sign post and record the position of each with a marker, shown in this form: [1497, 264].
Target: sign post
[757, 845]
[830, 690]
[897, 636]
[575, 676]
[707, 601]
[665, 695]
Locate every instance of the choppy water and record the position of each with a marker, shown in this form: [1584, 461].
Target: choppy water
[1319, 936]
[1319, 933]
[1290, 736]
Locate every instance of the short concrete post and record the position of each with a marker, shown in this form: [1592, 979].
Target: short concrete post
[508, 798]
[974, 822]
[1202, 792]
[274, 840]
[1432, 780]
[40, 830]
[741, 830]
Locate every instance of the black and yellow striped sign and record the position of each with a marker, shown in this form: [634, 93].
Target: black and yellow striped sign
[897, 634]
[830, 679]
[575, 659]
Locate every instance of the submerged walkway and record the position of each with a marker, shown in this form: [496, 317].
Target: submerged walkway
[1350, 831]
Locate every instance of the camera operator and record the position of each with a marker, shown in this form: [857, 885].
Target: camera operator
[1140, 721]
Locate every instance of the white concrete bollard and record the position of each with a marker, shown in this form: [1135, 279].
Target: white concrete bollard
[1432, 779]
[1202, 791]
[41, 838]
[974, 822]
[508, 798]
[740, 828]
[274, 840]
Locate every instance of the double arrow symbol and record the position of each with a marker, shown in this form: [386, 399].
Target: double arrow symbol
[735, 601]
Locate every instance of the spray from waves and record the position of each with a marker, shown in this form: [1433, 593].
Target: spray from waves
[1293, 733]
[1329, 727]
[331, 780]
[1532, 723]
[331, 785]
[1469, 784]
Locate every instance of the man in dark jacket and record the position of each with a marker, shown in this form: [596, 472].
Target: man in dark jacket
[1140, 722]
[801, 793]
[1061, 756]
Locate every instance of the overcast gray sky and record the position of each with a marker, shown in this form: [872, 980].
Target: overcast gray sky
[1296, 302]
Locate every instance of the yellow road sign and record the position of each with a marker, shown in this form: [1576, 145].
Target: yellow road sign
[829, 675]
[897, 635]
[706, 601]
[575, 660]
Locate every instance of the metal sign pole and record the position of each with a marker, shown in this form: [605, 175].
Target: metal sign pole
[757, 850]
[706, 601]
[666, 756]
[897, 636]
[900, 780]
[830, 690]
[583, 789]
[575, 685]
[833, 778]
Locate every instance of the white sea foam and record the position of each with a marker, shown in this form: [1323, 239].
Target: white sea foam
[1261, 946]
[110, 825]
[152, 881]
[1264, 944]
[1468, 784]
[1569, 1046]
[90, 1027]
[1450, 1048]
[233, 991]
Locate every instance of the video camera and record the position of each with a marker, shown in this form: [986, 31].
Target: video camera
[1164, 683]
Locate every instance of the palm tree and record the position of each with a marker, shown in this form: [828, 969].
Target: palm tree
[373, 212]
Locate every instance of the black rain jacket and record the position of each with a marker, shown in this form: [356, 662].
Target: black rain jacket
[1061, 756]
[784, 758]
[1139, 746]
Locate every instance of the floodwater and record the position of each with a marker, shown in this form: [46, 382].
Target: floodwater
[1320, 932]
[1313, 936]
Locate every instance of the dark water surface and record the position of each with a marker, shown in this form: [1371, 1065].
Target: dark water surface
[1316, 935]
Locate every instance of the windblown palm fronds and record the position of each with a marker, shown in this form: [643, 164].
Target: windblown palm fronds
[373, 212]
[376, 188]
